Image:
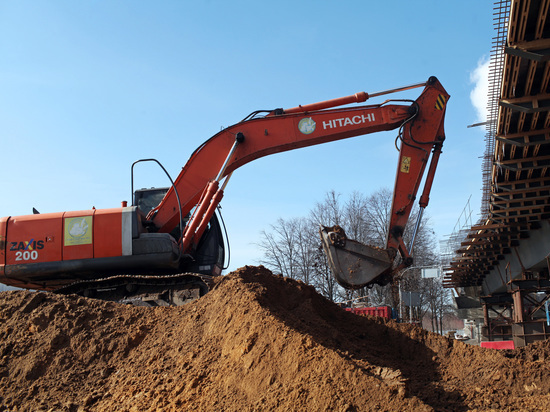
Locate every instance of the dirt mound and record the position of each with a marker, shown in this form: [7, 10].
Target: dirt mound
[256, 342]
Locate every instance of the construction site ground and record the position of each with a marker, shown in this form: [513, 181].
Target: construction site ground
[256, 342]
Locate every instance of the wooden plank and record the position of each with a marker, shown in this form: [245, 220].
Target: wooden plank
[523, 160]
[522, 200]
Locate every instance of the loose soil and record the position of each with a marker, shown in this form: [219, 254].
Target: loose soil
[257, 342]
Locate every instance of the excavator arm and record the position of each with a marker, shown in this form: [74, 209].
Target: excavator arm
[201, 182]
[355, 265]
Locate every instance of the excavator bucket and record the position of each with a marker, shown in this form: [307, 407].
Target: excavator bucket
[354, 264]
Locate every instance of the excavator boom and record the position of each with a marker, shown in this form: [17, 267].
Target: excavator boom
[264, 136]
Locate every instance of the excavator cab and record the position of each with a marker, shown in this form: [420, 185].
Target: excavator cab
[147, 199]
[209, 255]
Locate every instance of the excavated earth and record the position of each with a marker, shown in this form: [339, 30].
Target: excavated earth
[257, 342]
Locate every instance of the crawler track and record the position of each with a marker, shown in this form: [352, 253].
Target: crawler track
[146, 290]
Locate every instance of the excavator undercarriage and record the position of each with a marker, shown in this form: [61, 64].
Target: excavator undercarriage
[172, 290]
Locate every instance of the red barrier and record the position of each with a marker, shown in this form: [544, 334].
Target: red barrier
[503, 344]
[380, 311]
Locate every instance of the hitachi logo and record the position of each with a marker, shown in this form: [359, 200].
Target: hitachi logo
[346, 121]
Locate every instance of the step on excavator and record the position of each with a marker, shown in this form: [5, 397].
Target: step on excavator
[168, 245]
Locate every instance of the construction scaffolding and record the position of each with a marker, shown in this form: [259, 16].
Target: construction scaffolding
[502, 262]
[501, 12]
[451, 244]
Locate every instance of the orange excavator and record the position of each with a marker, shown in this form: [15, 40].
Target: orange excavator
[168, 245]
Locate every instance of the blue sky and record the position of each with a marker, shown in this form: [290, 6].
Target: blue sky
[88, 87]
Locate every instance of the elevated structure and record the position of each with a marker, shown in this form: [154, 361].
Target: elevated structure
[502, 262]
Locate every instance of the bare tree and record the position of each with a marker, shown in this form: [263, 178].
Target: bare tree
[280, 247]
[323, 280]
[377, 216]
[289, 248]
[308, 240]
[354, 212]
[292, 247]
[437, 303]
[328, 212]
